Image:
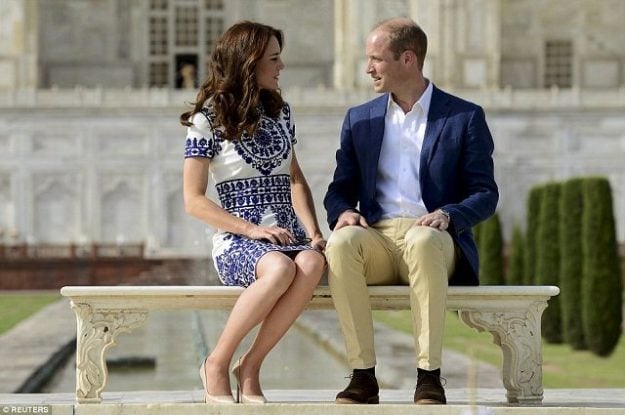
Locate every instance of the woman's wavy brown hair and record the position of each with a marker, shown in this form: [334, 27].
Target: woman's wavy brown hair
[231, 84]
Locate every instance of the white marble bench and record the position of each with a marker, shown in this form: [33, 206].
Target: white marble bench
[511, 313]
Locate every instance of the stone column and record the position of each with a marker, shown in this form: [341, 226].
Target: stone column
[479, 39]
[18, 44]
[463, 41]
[492, 38]
[427, 14]
[352, 21]
[447, 70]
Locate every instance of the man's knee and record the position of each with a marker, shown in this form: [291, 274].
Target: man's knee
[345, 238]
[425, 241]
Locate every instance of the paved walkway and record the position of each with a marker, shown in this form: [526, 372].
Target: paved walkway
[36, 346]
[315, 402]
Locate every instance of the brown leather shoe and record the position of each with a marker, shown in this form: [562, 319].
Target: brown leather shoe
[429, 390]
[362, 389]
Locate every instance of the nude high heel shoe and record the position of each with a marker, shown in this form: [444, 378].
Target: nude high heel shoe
[241, 397]
[208, 398]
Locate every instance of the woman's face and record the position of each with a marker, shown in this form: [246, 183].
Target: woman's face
[269, 66]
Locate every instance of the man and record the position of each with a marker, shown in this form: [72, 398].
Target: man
[414, 174]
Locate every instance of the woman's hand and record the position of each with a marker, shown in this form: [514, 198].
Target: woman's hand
[318, 243]
[274, 234]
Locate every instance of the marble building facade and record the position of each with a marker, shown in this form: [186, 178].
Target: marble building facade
[90, 148]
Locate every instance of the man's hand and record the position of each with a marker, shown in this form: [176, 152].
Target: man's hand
[350, 218]
[436, 219]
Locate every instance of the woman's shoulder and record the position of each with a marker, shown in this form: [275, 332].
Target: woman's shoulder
[204, 118]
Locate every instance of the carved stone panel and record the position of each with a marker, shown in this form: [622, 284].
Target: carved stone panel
[474, 72]
[56, 207]
[603, 73]
[123, 207]
[7, 209]
[114, 143]
[171, 140]
[59, 143]
[183, 230]
[518, 73]
[5, 143]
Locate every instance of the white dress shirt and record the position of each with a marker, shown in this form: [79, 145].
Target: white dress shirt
[397, 186]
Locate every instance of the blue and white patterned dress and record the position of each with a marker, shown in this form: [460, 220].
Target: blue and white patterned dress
[252, 180]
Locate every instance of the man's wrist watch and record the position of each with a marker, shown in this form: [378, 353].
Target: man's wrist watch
[446, 214]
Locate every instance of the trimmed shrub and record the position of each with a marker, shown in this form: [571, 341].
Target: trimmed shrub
[533, 210]
[476, 234]
[491, 252]
[601, 280]
[515, 273]
[571, 262]
[548, 258]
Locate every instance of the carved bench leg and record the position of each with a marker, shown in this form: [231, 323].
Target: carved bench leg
[96, 332]
[517, 332]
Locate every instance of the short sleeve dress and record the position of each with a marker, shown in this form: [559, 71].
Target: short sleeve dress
[252, 181]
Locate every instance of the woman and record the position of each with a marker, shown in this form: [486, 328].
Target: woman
[241, 132]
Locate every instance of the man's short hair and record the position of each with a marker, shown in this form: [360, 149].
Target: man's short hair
[405, 34]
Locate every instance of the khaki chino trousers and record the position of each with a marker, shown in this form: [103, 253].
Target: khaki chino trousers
[391, 252]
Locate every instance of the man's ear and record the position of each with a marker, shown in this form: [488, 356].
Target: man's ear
[409, 57]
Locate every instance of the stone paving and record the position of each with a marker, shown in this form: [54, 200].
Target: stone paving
[35, 346]
[315, 402]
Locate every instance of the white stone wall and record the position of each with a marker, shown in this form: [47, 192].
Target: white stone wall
[84, 175]
[105, 165]
[595, 28]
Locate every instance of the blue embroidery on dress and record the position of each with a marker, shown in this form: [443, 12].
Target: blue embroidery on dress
[201, 147]
[205, 147]
[249, 199]
[286, 112]
[267, 149]
[242, 196]
[236, 266]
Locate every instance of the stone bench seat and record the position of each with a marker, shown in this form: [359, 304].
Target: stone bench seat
[512, 314]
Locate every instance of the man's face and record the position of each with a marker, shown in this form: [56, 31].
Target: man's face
[387, 72]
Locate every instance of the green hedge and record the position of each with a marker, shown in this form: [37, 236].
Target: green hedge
[571, 207]
[548, 258]
[515, 274]
[491, 252]
[533, 210]
[601, 280]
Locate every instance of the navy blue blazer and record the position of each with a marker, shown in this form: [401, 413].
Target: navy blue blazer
[456, 170]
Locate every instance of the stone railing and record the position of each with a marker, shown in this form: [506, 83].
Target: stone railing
[506, 98]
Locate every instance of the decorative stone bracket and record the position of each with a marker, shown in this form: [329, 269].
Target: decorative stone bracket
[97, 330]
[517, 332]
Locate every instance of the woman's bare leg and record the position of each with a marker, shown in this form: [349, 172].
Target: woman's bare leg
[253, 305]
[310, 266]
